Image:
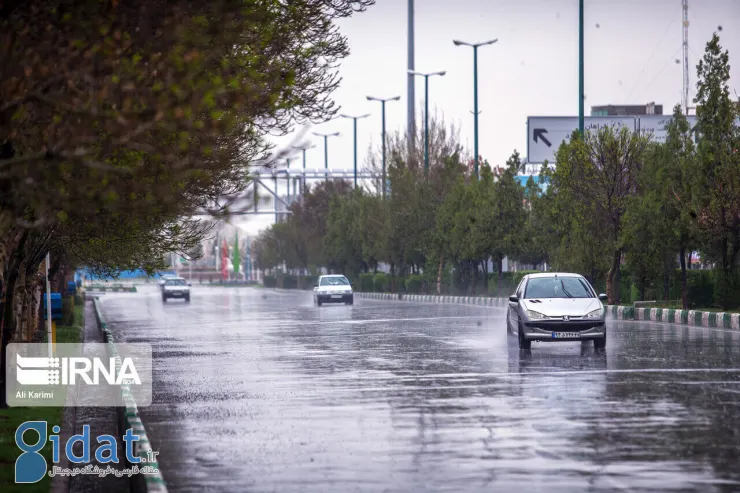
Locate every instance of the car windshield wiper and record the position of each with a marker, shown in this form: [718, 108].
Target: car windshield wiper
[565, 290]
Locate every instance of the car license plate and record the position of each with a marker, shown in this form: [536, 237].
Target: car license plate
[565, 335]
[336, 296]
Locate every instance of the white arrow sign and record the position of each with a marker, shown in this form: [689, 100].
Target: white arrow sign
[546, 133]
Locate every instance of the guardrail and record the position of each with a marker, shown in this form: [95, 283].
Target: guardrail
[696, 318]
[128, 418]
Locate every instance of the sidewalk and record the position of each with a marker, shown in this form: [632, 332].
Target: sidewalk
[102, 420]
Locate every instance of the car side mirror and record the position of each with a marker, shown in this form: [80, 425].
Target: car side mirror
[603, 297]
[315, 286]
[514, 299]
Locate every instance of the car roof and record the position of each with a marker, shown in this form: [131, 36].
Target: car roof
[175, 278]
[552, 274]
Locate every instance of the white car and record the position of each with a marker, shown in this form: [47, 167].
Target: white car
[163, 279]
[176, 288]
[556, 306]
[333, 289]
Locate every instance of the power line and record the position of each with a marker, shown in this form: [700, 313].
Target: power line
[655, 50]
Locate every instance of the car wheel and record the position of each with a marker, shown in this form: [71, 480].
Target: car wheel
[318, 302]
[350, 302]
[164, 299]
[600, 343]
[523, 342]
[187, 299]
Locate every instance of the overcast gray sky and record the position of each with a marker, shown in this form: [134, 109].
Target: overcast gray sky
[631, 48]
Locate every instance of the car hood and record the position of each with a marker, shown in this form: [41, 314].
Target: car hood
[558, 307]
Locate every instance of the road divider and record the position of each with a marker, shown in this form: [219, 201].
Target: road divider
[128, 418]
[682, 317]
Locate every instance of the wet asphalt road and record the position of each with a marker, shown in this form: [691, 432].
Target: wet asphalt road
[258, 390]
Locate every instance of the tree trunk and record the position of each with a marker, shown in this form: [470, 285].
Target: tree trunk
[612, 278]
[8, 328]
[484, 265]
[684, 283]
[666, 285]
[439, 274]
[474, 268]
[500, 267]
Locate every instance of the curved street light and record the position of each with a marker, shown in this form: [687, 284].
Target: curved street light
[475, 47]
[382, 135]
[426, 112]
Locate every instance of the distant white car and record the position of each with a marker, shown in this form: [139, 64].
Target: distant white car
[176, 288]
[333, 289]
[164, 279]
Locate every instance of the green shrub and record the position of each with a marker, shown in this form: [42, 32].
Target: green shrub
[287, 281]
[79, 301]
[397, 284]
[269, 281]
[381, 283]
[414, 284]
[367, 283]
[306, 282]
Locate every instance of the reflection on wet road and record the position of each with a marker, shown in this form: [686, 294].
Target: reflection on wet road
[258, 390]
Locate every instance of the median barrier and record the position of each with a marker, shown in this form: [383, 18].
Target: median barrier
[128, 417]
[696, 318]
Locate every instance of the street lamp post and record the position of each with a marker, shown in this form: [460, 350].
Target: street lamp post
[354, 121]
[303, 177]
[426, 113]
[382, 135]
[580, 67]
[326, 150]
[475, 47]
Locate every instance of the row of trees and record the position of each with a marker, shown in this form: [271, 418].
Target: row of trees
[120, 118]
[614, 202]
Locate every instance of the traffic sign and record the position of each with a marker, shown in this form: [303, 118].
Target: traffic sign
[656, 124]
[546, 133]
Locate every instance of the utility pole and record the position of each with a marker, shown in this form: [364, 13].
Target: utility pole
[354, 121]
[382, 135]
[475, 47]
[426, 114]
[580, 67]
[411, 97]
[303, 176]
[685, 5]
[326, 150]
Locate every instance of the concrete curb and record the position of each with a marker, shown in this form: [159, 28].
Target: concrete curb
[112, 289]
[683, 317]
[128, 417]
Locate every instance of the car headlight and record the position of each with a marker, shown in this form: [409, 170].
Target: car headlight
[536, 315]
[596, 314]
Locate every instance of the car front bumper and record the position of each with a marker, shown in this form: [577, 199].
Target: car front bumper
[335, 298]
[542, 330]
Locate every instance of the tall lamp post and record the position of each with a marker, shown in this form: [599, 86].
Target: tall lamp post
[354, 121]
[580, 67]
[475, 47]
[382, 135]
[326, 149]
[304, 148]
[426, 113]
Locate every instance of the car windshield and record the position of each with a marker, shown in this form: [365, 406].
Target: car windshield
[334, 281]
[175, 282]
[557, 287]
